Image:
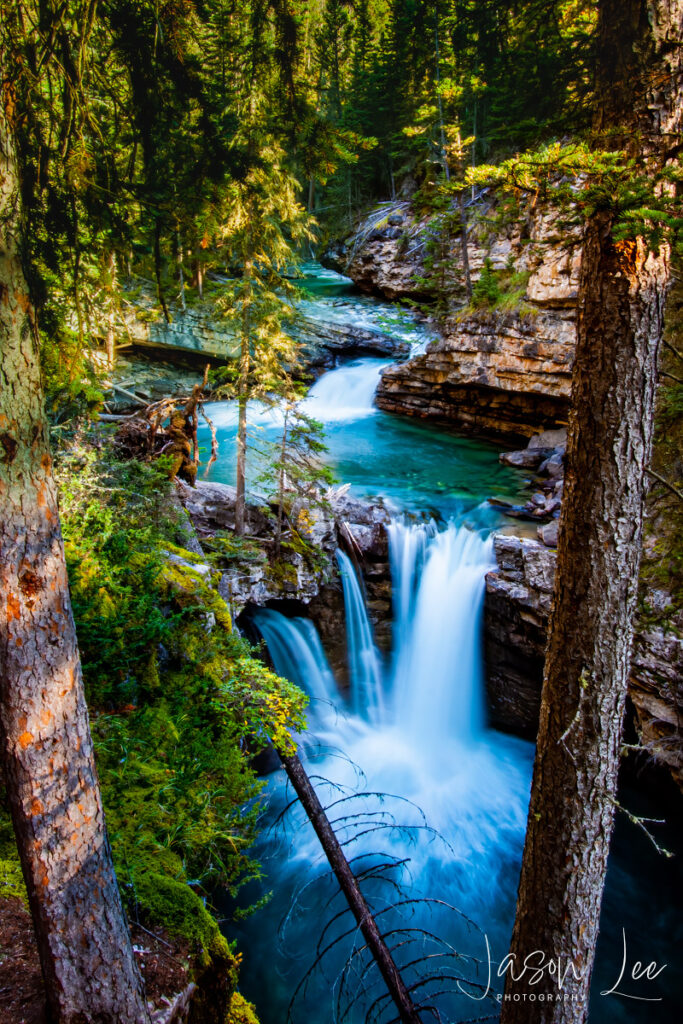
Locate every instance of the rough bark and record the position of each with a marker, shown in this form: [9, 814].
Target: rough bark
[241, 471]
[296, 773]
[83, 941]
[242, 399]
[587, 660]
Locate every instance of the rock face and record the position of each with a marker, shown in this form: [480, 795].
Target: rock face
[499, 373]
[194, 334]
[297, 585]
[385, 255]
[325, 344]
[516, 610]
[516, 615]
[499, 376]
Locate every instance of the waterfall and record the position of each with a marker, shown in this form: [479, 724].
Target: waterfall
[407, 549]
[347, 393]
[365, 668]
[413, 743]
[438, 678]
[298, 655]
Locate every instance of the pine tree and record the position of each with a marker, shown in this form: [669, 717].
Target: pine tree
[639, 99]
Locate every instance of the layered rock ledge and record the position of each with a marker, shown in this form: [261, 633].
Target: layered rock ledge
[503, 373]
[516, 616]
[499, 376]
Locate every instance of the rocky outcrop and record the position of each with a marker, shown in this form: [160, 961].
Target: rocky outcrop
[325, 344]
[385, 255]
[503, 376]
[504, 371]
[517, 609]
[195, 334]
[298, 583]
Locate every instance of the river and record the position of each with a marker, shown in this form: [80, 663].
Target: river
[430, 803]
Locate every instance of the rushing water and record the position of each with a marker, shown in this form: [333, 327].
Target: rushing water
[426, 799]
[410, 465]
[446, 797]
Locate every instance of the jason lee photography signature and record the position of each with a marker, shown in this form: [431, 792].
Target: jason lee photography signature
[537, 965]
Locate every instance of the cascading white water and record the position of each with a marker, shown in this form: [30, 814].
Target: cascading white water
[438, 580]
[298, 655]
[415, 733]
[346, 393]
[365, 667]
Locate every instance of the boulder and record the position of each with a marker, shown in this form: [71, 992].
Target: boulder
[547, 533]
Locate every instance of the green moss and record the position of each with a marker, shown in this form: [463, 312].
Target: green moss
[163, 899]
[241, 1012]
[500, 291]
[11, 880]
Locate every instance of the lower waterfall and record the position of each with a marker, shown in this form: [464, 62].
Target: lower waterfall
[409, 755]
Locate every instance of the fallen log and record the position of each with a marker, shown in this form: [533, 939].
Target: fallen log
[296, 773]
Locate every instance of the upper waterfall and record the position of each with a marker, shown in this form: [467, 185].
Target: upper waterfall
[347, 393]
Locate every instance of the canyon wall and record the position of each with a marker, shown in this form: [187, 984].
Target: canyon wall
[516, 615]
[504, 371]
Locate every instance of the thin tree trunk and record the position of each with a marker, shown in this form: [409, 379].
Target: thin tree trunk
[181, 275]
[199, 269]
[110, 339]
[242, 398]
[83, 941]
[587, 661]
[157, 271]
[296, 773]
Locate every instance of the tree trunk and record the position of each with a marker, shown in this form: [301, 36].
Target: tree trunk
[110, 339]
[242, 397]
[587, 661]
[181, 273]
[296, 773]
[83, 941]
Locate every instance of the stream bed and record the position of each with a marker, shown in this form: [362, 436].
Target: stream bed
[430, 803]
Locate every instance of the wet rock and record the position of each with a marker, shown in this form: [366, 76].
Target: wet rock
[516, 614]
[516, 610]
[548, 533]
[325, 343]
[553, 466]
[549, 439]
[527, 458]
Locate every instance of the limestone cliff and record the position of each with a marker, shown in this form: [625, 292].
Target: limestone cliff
[504, 371]
[518, 599]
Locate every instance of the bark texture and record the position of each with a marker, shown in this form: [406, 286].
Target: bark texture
[85, 949]
[587, 660]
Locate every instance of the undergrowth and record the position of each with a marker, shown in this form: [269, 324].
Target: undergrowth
[499, 291]
[178, 702]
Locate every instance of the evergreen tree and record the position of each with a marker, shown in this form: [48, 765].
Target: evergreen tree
[623, 284]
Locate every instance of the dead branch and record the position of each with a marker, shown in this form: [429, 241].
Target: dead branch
[296, 774]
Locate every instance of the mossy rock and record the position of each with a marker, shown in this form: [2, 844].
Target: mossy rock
[241, 1012]
[168, 902]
